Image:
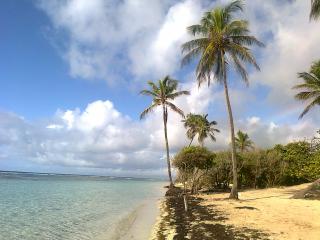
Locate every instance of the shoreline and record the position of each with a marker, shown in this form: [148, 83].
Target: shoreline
[139, 224]
[259, 214]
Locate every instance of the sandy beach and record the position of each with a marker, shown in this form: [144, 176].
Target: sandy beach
[259, 214]
[140, 224]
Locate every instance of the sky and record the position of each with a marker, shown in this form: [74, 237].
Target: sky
[71, 72]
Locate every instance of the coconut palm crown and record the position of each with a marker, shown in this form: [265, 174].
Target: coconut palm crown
[221, 43]
[163, 93]
[243, 142]
[197, 124]
[310, 89]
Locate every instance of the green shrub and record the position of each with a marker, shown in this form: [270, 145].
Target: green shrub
[193, 163]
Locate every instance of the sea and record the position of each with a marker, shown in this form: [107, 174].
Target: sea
[36, 206]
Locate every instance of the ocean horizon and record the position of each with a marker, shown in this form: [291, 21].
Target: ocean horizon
[68, 206]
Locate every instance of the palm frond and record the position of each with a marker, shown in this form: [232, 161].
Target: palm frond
[148, 110]
[309, 106]
[220, 42]
[243, 53]
[196, 29]
[240, 69]
[175, 108]
[177, 94]
[302, 96]
[247, 40]
[234, 6]
[154, 87]
[148, 93]
[315, 9]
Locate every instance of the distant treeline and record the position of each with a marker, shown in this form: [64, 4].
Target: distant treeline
[282, 165]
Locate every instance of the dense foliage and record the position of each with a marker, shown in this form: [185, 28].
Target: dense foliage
[193, 164]
[281, 165]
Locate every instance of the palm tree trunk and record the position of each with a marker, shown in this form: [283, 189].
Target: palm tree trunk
[165, 120]
[191, 142]
[234, 190]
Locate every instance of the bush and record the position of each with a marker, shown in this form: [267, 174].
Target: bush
[282, 165]
[220, 175]
[193, 163]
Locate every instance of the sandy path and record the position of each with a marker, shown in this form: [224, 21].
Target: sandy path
[271, 210]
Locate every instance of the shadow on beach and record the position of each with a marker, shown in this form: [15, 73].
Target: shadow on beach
[199, 223]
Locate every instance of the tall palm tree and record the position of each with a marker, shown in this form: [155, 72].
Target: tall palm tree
[310, 89]
[222, 42]
[162, 94]
[243, 142]
[315, 9]
[197, 124]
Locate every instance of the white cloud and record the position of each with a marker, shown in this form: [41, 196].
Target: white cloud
[162, 54]
[140, 37]
[100, 137]
[108, 39]
[292, 43]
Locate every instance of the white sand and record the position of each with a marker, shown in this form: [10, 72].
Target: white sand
[275, 212]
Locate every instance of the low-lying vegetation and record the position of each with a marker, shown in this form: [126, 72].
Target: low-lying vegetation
[282, 165]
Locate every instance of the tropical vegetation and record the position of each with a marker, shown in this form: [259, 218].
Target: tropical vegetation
[193, 163]
[220, 41]
[243, 142]
[281, 165]
[163, 93]
[310, 88]
[199, 125]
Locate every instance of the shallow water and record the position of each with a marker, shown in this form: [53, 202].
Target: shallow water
[34, 206]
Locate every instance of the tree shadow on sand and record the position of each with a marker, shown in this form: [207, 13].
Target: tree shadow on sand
[200, 222]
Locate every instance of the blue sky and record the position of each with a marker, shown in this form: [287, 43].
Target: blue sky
[35, 79]
[71, 72]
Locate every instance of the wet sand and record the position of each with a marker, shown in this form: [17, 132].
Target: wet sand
[141, 223]
[260, 214]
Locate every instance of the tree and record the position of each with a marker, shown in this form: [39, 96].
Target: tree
[310, 88]
[193, 163]
[163, 93]
[222, 42]
[315, 9]
[197, 124]
[243, 142]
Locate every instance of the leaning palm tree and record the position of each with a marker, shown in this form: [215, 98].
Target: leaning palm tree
[222, 42]
[243, 142]
[310, 89]
[315, 9]
[163, 93]
[197, 124]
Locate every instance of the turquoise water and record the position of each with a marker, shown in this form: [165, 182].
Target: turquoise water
[34, 206]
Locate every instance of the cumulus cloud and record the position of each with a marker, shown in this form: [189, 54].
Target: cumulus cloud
[292, 43]
[140, 37]
[101, 137]
[109, 39]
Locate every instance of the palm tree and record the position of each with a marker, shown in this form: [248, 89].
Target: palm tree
[315, 9]
[243, 142]
[222, 42]
[197, 124]
[163, 93]
[310, 88]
